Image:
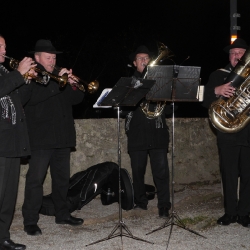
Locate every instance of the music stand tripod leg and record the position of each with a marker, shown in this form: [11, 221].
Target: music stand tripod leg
[173, 215]
[120, 225]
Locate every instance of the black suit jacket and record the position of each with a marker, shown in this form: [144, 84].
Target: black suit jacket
[14, 140]
[144, 133]
[242, 137]
[49, 115]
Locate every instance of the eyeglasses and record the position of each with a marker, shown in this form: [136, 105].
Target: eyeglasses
[240, 53]
[146, 58]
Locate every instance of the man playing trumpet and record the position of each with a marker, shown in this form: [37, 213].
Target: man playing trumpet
[52, 135]
[14, 141]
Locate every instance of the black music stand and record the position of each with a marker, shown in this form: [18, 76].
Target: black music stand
[168, 87]
[127, 92]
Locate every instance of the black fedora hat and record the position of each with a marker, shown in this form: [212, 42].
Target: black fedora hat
[43, 45]
[141, 49]
[238, 43]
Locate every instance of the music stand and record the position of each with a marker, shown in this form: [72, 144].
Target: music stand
[127, 92]
[185, 88]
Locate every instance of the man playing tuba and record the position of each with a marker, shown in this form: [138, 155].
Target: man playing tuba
[234, 148]
[148, 136]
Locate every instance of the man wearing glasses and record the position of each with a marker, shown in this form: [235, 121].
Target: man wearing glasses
[234, 148]
[148, 137]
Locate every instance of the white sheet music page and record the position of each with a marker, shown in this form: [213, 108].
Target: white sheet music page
[104, 93]
[200, 93]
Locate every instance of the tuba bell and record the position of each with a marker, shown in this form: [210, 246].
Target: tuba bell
[164, 52]
[230, 115]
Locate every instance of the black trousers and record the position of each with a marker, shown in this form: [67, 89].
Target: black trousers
[59, 162]
[234, 163]
[160, 172]
[9, 177]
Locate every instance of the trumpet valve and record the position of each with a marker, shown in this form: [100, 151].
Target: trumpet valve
[80, 86]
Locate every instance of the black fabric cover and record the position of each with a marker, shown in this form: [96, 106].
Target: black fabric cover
[86, 185]
[110, 192]
[83, 187]
[150, 191]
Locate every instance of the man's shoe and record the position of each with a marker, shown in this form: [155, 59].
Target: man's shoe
[140, 207]
[227, 219]
[9, 244]
[32, 230]
[244, 221]
[163, 212]
[71, 221]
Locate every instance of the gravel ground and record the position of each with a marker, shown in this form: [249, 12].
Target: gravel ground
[198, 208]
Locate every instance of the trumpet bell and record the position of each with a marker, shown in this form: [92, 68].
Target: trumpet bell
[93, 86]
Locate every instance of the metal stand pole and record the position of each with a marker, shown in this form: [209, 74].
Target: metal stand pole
[173, 218]
[120, 225]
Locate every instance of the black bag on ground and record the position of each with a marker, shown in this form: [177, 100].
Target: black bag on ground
[86, 185]
[150, 191]
[83, 187]
[110, 192]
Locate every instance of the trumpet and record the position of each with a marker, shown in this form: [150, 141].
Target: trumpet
[92, 87]
[44, 79]
[62, 80]
[14, 65]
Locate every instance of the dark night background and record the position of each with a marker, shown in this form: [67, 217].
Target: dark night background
[97, 37]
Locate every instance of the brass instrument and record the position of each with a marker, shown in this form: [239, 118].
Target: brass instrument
[232, 114]
[92, 87]
[164, 52]
[62, 80]
[14, 65]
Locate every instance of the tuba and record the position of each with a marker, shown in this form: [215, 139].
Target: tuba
[164, 52]
[230, 115]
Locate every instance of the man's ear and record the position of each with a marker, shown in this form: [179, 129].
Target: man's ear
[134, 62]
[36, 57]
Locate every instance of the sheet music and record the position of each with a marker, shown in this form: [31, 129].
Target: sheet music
[104, 93]
[200, 93]
[174, 83]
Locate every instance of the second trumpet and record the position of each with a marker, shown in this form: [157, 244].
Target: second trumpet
[92, 87]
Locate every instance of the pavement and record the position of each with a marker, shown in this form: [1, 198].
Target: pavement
[191, 225]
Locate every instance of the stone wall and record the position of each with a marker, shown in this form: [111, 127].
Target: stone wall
[195, 158]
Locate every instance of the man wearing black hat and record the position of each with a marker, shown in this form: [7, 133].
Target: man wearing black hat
[148, 137]
[234, 148]
[52, 135]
